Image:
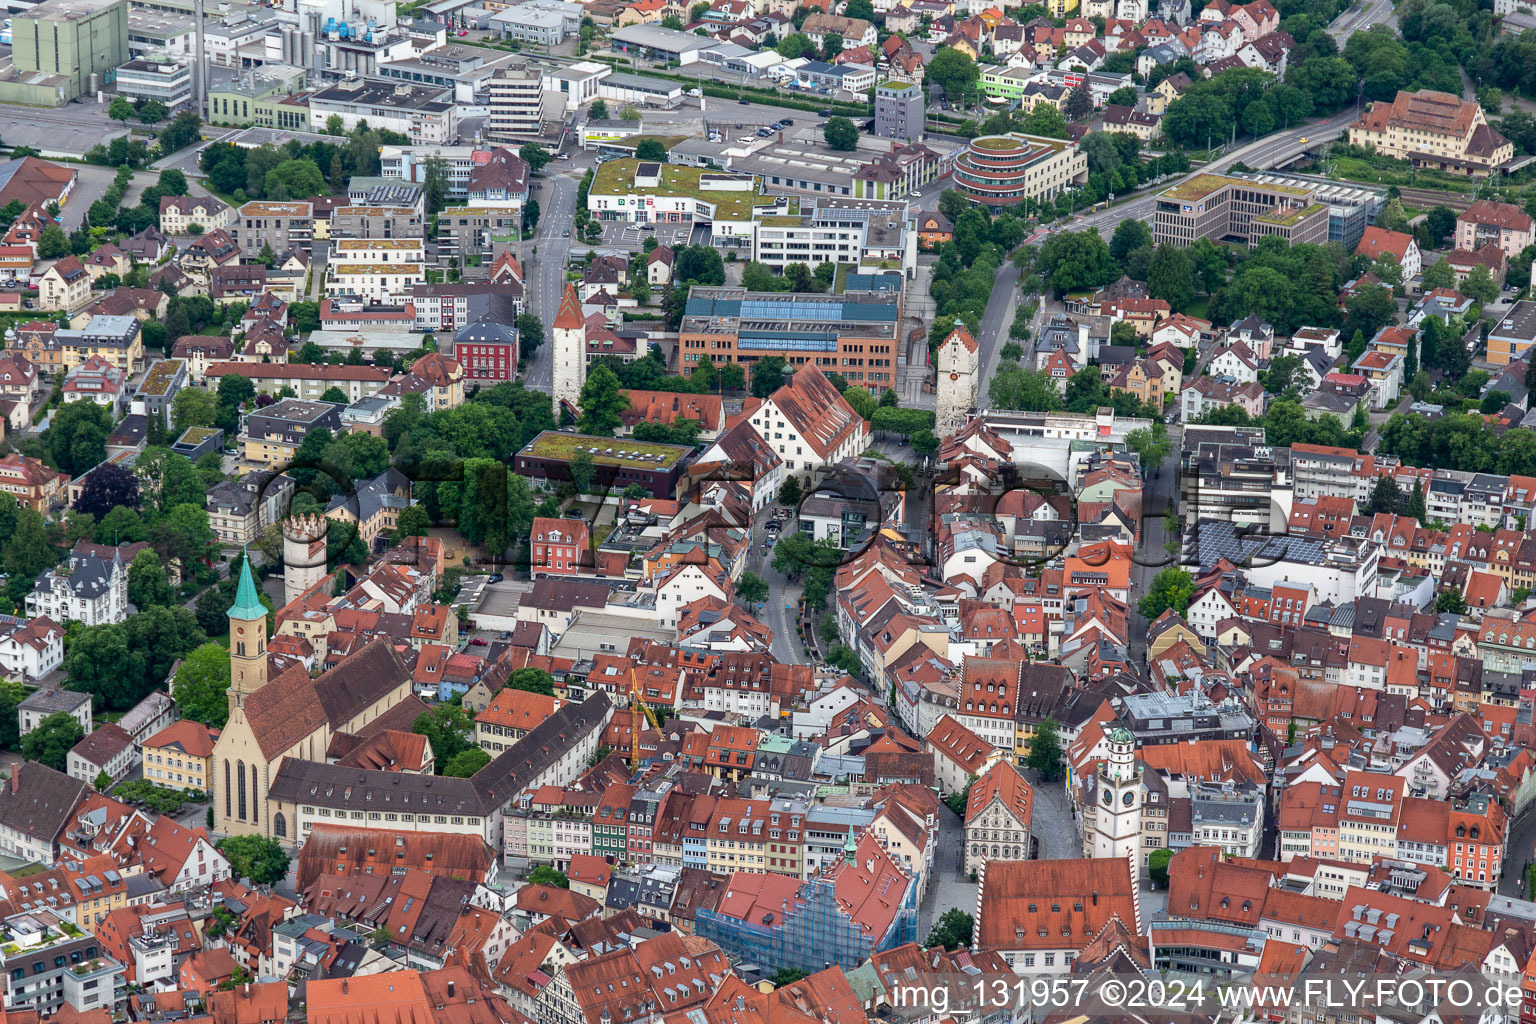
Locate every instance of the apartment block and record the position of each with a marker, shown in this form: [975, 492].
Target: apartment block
[283, 226]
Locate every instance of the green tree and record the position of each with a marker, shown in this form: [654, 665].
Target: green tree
[413, 521]
[1450, 602]
[1152, 444]
[1130, 235]
[201, 685]
[598, 111]
[53, 244]
[952, 930]
[27, 551]
[1075, 260]
[1016, 387]
[796, 44]
[120, 109]
[1045, 751]
[1438, 275]
[651, 149]
[1157, 866]
[752, 588]
[466, 763]
[1440, 222]
[767, 376]
[448, 729]
[1079, 104]
[1393, 217]
[11, 696]
[257, 858]
[1386, 496]
[536, 155]
[1416, 505]
[546, 875]
[147, 582]
[583, 472]
[602, 403]
[294, 179]
[194, 407]
[789, 494]
[841, 134]
[786, 976]
[1171, 277]
[50, 742]
[1479, 286]
[954, 72]
[532, 680]
[530, 333]
[731, 377]
[1171, 588]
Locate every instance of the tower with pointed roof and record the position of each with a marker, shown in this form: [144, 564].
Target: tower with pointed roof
[247, 639]
[570, 349]
[959, 363]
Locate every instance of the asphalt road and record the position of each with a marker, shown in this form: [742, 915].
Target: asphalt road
[545, 270]
[1159, 495]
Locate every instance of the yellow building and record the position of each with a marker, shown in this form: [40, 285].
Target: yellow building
[178, 756]
[1433, 129]
[375, 507]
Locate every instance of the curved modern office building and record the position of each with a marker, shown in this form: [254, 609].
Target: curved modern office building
[1005, 170]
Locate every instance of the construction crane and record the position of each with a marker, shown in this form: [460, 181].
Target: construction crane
[639, 712]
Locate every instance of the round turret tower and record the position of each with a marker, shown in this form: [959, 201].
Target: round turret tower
[303, 553]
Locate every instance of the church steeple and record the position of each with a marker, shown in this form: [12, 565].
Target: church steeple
[247, 639]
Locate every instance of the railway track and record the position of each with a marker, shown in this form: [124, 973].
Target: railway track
[1426, 197]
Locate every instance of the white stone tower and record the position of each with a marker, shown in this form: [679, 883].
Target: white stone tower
[1117, 822]
[959, 362]
[570, 351]
[303, 553]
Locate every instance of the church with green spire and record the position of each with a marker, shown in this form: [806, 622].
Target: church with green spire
[290, 714]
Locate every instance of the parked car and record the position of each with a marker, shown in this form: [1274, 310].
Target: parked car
[477, 642]
[744, 102]
[495, 577]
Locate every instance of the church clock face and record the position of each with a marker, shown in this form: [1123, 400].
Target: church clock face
[954, 376]
[1109, 799]
[1128, 799]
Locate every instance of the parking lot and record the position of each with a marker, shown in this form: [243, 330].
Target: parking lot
[631, 237]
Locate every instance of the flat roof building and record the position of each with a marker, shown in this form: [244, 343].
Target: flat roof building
[423, 113]
[617, 463]
[78, 44]
[1232, 209]
[854, 334]
[1018, 170]
[1514, 335]
[166, 81]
